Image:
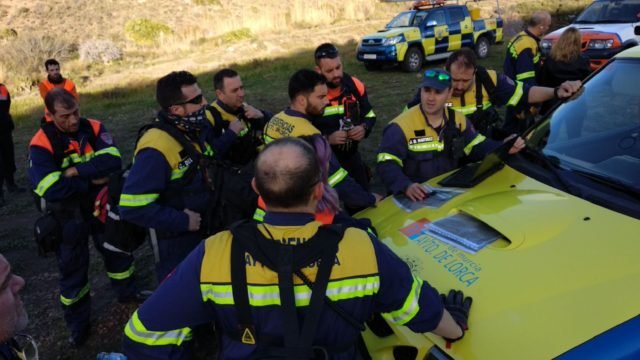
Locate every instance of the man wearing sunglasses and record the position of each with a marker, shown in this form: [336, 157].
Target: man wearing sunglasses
[349, 117]
[429, 139]
[167, 189]
[478, 91]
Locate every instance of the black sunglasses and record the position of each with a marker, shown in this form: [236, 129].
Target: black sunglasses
[326, 54]
[196, 100]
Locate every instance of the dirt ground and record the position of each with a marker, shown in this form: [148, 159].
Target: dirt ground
[41, 294]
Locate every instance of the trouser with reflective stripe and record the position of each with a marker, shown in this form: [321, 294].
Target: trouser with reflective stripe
[73, 262]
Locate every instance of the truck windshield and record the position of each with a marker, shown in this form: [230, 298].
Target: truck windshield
[403, 19]
[610, 12]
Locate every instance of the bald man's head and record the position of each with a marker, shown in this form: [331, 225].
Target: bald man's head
[539, 23]
[286, 173]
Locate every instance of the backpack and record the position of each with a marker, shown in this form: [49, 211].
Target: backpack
[286, 260]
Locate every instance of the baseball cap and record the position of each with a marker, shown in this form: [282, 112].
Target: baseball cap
[436, 79]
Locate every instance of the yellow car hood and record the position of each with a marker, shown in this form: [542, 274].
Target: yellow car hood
[566, 271]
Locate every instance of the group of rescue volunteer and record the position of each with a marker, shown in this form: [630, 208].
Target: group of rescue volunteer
[285, 271]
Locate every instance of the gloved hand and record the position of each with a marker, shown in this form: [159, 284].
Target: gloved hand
[458, 306]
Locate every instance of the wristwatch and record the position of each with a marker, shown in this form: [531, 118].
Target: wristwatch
[555, 92]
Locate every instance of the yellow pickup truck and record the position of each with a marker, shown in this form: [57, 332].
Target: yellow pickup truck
[430, 31]
[546, 241]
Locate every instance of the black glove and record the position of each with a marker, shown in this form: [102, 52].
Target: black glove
[458, 306]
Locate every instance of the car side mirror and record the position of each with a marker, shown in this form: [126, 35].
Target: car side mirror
[432, 23]
[636, 30]
[572, 17]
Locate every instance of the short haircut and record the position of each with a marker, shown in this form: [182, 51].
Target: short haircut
[218, 78]
[464, 57]
[169, 88]
[61, 97]
[287, 184]
[50, 62]
[538, 18]
[325, 51]
[303, 82]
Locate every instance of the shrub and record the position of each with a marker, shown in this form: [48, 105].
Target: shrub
[23, 57]
[99, 50]
[145, 31]
[236, 35]
[7, 33]
[207, 2]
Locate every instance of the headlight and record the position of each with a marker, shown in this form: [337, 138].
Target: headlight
[392, 40]
[545, 44]
[600, 44]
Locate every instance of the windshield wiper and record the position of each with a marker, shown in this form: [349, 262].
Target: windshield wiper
[551, 164]
[610, 181]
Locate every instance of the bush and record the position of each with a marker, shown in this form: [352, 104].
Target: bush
[7, 33]
[236, 35]
[207, 2]
[23, 57]
[145, 31]
[99, 50]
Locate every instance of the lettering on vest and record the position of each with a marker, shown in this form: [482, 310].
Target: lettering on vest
[281, 127]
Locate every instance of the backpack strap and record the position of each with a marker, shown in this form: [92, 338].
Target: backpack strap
[187, 146]
[483, 80]
[350, 85]
[286, 261]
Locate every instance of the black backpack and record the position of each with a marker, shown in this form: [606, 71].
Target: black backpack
[286, 261]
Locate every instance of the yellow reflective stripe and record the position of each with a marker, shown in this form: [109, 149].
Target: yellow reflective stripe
[121, 275]
[477, 140]
[428, 146]
[259, 215]
[382, 157]
[268, 295]
[178, 173]
[136, 331]
[370, 114]
[410, 307]
[65, 163]
[536, 58]
[66, 301]
[333, 110]
[517, 95]
[47, 182]
[337, 176]
[470, 109]
[137, 200]
[525, 75]
[268, 139]
[112, 150]
[208, 150]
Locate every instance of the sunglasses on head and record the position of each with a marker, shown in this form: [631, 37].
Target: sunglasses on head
[437, 74]
[326, 54]
[196, 100]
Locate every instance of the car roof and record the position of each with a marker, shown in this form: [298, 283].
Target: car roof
[633, 52]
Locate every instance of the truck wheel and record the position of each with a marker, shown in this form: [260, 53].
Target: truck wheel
[372, 66]
[413, 60]
[482, 47]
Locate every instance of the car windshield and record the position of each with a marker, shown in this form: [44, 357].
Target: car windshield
[597, 134]
[610, 12]
[403, 19]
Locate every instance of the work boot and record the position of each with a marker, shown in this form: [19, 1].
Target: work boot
[138, 298]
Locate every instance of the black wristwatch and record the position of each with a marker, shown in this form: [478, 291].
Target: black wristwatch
[555, 92]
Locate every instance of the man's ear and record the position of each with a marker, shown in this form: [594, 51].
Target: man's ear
[317, 69]
[218, 93]
[176, 110]
[254, 187]
[318, 190]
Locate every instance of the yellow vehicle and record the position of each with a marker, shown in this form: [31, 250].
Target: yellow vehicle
[430, 31]
[547, 244]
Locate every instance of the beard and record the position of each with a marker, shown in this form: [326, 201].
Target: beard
[333, 85]
[313, 111]
[55, 79]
